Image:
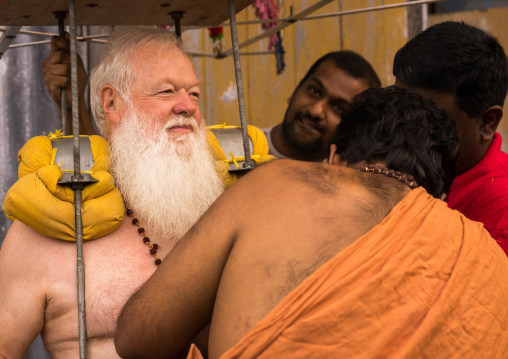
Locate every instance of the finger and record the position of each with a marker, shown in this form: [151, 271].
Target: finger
[56, 83]
[58, 57]
[57, 70]
[59, 44]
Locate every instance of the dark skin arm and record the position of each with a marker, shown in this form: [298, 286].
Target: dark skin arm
[57, 74]
[176, 303]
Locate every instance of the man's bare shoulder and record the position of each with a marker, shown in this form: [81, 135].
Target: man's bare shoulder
[290, 174]
[295, 183]
[27, 242]
[31, 254]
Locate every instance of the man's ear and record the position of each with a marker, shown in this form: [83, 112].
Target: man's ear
[334, 156]
[109, 100]
[490, 121]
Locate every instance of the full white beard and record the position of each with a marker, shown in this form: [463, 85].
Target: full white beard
[168, 182]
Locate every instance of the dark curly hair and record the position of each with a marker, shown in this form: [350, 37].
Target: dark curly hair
[409, 133]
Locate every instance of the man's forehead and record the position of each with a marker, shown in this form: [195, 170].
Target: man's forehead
[166, 63]
[337, 81]
[155, 51]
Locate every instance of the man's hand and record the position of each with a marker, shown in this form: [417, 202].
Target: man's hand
[57, 70]
[57, 74]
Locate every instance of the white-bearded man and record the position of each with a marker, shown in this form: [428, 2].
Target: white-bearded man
[145, 97]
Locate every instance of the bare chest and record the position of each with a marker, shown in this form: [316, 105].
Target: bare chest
[115, 267]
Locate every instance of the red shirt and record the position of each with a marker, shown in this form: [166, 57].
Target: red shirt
[481, 193]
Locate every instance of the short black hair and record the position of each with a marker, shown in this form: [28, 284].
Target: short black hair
[409, 133]
[458, 58]
[351, 63]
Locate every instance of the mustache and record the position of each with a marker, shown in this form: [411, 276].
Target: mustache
[316, 122]
[182, 121]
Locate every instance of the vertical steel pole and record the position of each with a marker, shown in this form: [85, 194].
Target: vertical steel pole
[77, 185]
[177, 16]
[249, 164]
[61, 15]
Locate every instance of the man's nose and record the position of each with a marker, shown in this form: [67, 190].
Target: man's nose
[318, 109]
[185, 104]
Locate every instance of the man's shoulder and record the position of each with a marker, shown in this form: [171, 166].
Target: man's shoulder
[23, 241]
[283, 170]
[20, 232]
[286, 176]
[503, 161]
[277, 178]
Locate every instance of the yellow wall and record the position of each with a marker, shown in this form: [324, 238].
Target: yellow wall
[493, 20]
[375, 35]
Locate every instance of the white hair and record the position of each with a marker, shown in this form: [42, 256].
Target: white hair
[115, 68]
[169, 182]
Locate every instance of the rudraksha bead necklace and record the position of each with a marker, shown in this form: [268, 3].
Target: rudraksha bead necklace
[146, 240]
[406, 179]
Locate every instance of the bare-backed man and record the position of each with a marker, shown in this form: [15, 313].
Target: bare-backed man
[355, 258]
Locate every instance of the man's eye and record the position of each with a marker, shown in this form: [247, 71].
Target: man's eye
[194, 94]
[338, 107]
[167, 91]
[313, 91]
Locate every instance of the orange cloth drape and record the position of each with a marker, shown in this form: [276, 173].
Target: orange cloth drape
[424, 283]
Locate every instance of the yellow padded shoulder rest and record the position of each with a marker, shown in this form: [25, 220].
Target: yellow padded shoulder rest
[38, 201]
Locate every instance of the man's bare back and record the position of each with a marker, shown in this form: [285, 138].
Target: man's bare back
[44, 286]
[259, 258]
[261, 244]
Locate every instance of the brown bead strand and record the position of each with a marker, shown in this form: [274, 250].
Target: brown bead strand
[406, 179]
[154, 247]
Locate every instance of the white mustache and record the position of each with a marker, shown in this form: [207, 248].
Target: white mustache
[181, 121]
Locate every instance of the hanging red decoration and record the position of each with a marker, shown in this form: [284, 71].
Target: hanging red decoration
[216, 33]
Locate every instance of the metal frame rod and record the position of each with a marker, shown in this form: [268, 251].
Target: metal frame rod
[77, 185]
[177, 16]
[340, 13]
[50, 34]
[7, 37]
[49, 41]
[249, 164]
[373, 8]
[61, 15]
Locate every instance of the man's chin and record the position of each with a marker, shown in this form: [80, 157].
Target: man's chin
[179, 136]
[307, 146]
